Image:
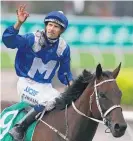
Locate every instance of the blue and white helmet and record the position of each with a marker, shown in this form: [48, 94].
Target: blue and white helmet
[57, 17]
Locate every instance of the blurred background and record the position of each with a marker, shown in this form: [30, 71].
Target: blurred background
[98, 32]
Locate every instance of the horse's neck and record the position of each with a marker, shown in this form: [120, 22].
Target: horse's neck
[81, 127]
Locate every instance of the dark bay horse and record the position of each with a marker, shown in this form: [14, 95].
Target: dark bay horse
[95, 96]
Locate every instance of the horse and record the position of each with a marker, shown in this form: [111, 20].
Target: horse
[93, 98]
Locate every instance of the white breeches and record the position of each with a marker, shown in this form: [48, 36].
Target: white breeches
[37, 93]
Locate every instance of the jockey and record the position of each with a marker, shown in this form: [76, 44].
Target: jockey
[38, 56]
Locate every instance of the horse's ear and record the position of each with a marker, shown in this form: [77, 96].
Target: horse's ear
[85, 71]
[116, 71]
[98, 71]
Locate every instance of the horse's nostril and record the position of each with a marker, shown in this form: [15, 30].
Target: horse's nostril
[119, 127]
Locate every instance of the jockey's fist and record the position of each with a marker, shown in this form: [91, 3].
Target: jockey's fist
[22, 14]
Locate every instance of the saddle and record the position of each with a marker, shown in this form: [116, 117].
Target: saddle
[11, 116]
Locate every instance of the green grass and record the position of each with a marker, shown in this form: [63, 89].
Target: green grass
[129, 60]
[125, 83]
[125, 80]
[109, 61]
[86, 60]
[7, 60]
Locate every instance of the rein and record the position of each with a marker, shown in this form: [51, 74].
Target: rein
[54, 129]
[79, 112]
[98, 104]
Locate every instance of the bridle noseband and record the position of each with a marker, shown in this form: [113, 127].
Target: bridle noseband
[103, 115]
[65, 137]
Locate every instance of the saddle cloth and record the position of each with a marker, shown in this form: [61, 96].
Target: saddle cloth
[9, 117]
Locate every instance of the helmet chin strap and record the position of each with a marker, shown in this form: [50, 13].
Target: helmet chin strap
[52, 40]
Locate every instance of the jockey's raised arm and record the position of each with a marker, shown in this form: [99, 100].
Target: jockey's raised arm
[38, 57]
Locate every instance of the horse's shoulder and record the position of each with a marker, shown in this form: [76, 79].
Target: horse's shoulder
[52, 115]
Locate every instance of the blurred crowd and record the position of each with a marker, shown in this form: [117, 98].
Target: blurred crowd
[80, 8]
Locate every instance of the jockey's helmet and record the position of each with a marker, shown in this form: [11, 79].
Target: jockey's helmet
[57, 17]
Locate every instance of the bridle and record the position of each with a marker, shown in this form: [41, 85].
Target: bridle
[103, 115]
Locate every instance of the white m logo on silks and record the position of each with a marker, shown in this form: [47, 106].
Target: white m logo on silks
[5, 123]
[41, 67]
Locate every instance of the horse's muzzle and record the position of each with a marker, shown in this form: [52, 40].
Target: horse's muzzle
[118, 129]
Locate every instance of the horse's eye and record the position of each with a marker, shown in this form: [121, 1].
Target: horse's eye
[102, 95]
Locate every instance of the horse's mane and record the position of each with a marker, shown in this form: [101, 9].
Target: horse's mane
[74, 91]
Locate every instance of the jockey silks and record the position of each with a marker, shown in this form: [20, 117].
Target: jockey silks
[37, 93]
[37, 58]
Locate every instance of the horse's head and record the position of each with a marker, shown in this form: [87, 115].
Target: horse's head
[106, 104]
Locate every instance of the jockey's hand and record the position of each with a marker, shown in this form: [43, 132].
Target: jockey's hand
[22, 14]
[70, 83]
